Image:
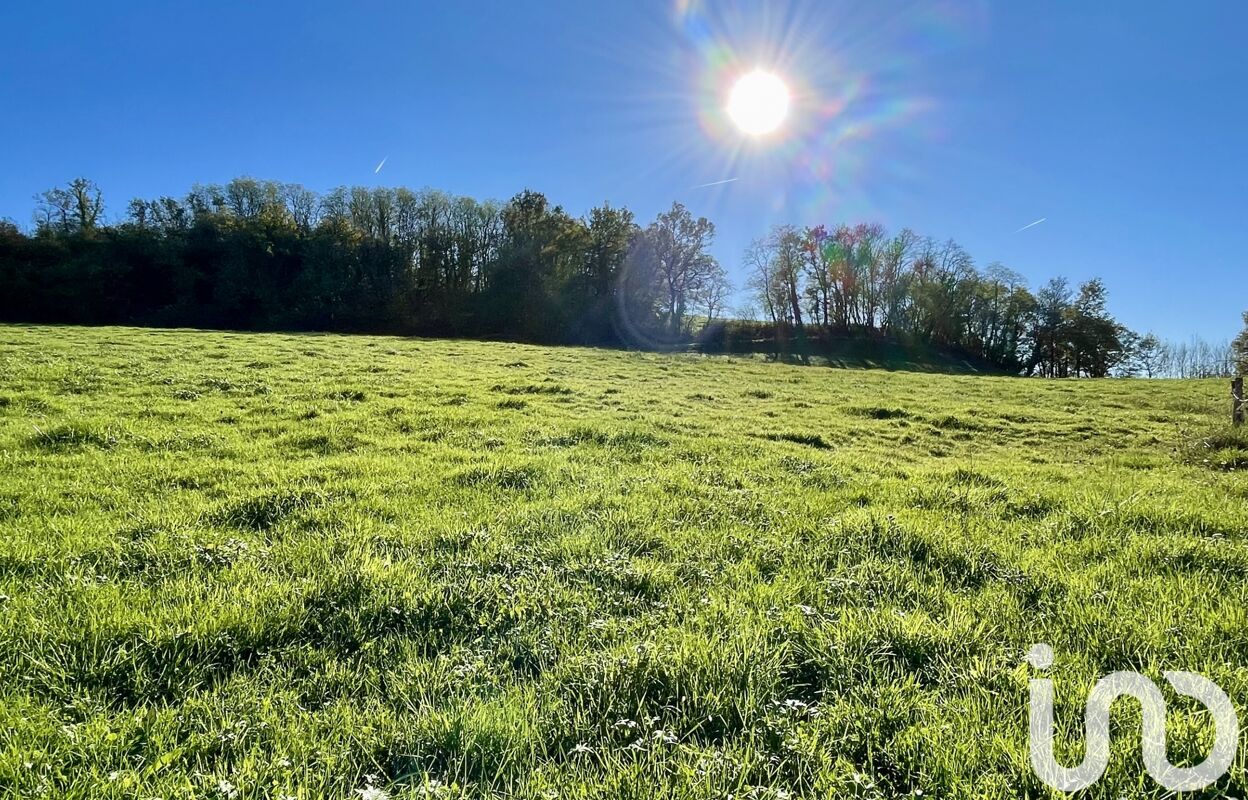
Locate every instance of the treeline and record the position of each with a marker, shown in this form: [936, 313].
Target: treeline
[263, 255]
[1194, 358]
[819, 283]
[823, 282]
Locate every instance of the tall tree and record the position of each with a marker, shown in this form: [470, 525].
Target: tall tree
[1239, 348]
[678, 243]
[763, 283]
[538, 252]
[593, 288]
[1095, 337]
[787, 247]
[1049, 345]
[1144, 355]
[75, 208]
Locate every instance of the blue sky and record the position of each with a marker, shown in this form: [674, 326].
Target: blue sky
[1122, 125]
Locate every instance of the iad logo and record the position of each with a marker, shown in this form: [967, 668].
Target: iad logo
[1153, 743]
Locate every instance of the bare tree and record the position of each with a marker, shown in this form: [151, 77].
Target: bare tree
[815, 252]
[714, 293]
[1197, 358]
[896, 258]
[787, 247]
[74, 208]
[762, 281]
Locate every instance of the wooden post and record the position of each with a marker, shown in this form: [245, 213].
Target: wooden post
[1237, 400]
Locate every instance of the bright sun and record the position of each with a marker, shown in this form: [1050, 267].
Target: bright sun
[758, 102]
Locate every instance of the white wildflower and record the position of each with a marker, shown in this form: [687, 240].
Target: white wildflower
[433, 788]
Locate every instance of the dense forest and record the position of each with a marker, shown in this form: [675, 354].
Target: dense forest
[262, 255]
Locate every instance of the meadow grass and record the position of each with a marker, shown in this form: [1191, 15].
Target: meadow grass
[263, 565]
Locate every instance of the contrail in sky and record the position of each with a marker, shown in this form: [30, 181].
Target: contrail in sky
[713, 183]
[1032, 225]
[379, 166]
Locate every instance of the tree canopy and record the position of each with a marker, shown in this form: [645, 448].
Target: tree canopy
[253, 254]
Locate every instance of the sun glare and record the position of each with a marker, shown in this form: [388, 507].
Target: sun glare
[758, 102]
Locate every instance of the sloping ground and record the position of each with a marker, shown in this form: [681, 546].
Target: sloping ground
[267, 565]
[873, 353]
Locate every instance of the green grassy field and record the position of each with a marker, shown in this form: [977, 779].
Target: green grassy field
[262, 566]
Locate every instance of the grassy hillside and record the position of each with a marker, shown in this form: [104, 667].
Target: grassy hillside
[870, 353]
[267, 565]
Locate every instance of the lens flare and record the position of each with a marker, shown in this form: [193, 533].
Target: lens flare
[863, 114]
[859, 102]
[758, 102]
